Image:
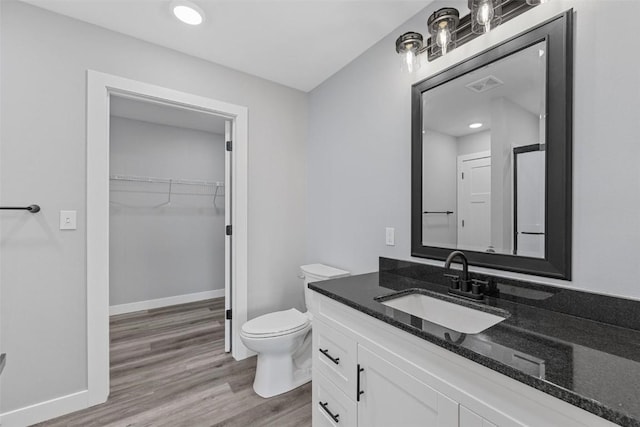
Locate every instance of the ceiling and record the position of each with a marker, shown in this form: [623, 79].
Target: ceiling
[297, 43]
[163, 114]
[451, 107]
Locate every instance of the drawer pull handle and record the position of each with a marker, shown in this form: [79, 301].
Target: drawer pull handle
[358, 391]
[324, 406]
[326, 353]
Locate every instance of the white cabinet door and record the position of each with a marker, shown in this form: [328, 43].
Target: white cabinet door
[392, 397]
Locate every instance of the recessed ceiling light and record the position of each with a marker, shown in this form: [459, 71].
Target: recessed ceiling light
[187, 12]
[475, 125]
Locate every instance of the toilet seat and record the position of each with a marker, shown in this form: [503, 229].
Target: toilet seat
[276, 324]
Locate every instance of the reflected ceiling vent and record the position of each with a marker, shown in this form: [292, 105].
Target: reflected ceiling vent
[485, 84]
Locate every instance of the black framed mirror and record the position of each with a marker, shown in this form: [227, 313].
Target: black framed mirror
[491, 155]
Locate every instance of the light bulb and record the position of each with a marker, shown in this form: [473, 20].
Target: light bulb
[443, 37]
[410, 60]
[485, 14]
[408, 46]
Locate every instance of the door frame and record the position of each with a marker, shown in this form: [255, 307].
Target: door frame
[99, 88]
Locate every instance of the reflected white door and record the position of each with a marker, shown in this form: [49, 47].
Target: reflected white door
[474, 201]
[228, 137]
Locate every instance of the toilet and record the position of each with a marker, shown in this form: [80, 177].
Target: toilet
[282, 340]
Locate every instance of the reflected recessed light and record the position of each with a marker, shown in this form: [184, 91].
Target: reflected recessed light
[187, 12]
[475, 125]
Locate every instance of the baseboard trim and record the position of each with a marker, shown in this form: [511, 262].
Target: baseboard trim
[164, 302]
[45, 410]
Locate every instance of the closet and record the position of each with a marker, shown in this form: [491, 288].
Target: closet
[167, 205]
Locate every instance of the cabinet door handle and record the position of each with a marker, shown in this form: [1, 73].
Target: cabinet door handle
[358, 391]
[326, 353]
[324, 406]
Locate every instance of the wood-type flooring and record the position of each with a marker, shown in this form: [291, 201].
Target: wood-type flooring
[169, 368]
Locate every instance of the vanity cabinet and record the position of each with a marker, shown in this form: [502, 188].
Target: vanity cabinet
[368, 373]
[392, 397]
[368, 390]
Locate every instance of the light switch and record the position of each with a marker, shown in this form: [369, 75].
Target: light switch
[68, 220]
[390, 235]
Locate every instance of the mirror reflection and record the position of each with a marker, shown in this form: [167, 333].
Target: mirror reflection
[483, 137]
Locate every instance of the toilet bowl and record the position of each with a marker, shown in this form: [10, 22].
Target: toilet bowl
[282, 340]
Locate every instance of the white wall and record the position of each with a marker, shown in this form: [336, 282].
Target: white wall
[177, 249]
[474, 143]
[359, 149]
[439, 189]
[44, 59]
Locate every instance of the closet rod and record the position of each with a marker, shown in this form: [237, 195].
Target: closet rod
[164, 180]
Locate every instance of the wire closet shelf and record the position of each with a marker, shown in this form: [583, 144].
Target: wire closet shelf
[213, 189]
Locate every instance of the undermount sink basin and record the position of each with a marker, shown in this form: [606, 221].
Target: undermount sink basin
[450, 315]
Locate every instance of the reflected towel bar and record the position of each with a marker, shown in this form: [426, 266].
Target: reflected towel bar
[438, 212]
[30, 208]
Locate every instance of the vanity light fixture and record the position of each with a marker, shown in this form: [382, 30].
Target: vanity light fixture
[187, 12]
[447, 30]
[475, 125]
[442, 27]
[408, 45]
[485, 15]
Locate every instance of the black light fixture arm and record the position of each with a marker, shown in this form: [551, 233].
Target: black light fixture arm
[30, 208]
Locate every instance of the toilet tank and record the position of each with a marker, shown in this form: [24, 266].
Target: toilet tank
[318, 273]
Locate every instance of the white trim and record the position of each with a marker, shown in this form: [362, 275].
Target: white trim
[46, 410]
[472, 156]
[164, 302]
[228, 136]
[99, 87]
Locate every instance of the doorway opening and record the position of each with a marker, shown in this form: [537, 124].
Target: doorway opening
[169, 203]
[143, 182]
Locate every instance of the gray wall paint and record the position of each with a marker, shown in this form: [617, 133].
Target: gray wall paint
[359, 150]
[439, 189]
[511, 126]
[358, 161]
[474, 143]
[177, 249]
[44, 59]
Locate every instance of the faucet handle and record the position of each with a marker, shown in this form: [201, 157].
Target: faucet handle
[455, 281]
[479, 286]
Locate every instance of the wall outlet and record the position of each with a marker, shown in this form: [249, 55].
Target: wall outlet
[68, 220]
[390, 236]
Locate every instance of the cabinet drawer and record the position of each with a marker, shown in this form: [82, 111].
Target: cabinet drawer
[331, 406]
[335, 357]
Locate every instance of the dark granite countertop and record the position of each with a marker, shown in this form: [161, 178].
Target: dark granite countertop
[543, 343]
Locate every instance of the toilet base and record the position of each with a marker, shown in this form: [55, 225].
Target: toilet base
[275, 375]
